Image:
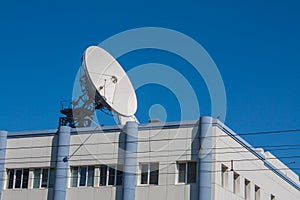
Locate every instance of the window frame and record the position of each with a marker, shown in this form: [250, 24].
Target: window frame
[149, 172]
[236, 183]
[78, 177]
[247, 188]
[116, 169]
[40, 179]
[257, 192]
[224, 176]
[14, 179]
[186, 172]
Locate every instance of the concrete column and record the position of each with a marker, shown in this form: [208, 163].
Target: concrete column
[205, 158]
[3, 140]
[61, 176]
[130, 163]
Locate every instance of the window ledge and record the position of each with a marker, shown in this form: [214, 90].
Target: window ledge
[147, 185]
[180, 184]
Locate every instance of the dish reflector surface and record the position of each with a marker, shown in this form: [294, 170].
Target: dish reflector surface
[110, 80]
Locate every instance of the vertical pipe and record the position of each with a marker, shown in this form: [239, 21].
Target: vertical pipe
[62, 163]
[130, 164]
[3, 140]
[205, 158]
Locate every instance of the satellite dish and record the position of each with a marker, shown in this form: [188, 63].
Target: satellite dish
[109, 83]
[104, 86]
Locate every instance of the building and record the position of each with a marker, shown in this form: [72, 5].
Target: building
[193, 160]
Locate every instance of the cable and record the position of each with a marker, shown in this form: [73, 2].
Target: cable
[158, 156]
[271, 132]
[153, 151]
[140, 141]
[82, 143]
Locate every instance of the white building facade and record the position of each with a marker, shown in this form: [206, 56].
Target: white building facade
[194, 160]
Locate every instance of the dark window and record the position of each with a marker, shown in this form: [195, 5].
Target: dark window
[37, 177]
[45, 178]
[181, 172]
[149, 173]
[154, 172]
[74, 176]
[144, 175]
[103, 174]
[25, 178]
[91, 173]
[119, 177]
[82, 181]
[18, 178]
[111, 178]
[187, 172]
[10, 174]
[82, 176]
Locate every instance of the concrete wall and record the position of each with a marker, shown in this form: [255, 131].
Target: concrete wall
[29, 152]
[166, 145]
[249, 167]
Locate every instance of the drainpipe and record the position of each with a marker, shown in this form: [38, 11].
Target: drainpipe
[3, 140]
[130, 163]
[205, 158]
[61, 176]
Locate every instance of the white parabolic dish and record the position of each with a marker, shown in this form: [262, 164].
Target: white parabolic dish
[110, 80]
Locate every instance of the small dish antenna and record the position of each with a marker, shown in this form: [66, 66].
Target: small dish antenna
[105, 86]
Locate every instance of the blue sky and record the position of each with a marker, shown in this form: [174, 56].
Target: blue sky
[255, 45]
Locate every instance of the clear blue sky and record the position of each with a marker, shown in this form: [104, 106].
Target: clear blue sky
[254, 44]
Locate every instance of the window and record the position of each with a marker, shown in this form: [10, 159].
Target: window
[144, 175]
[74, 176]
[247, 189]
[236, 183]
[119, 177]
[149, 173]
[187, 172]
[257, 193]
[111, 175]
[17, 178]
[91, 173]
[10, 175]
[43, 178]
[224, 176]
[37, 178]
[273, 197]
[82, 176]
[103, 174]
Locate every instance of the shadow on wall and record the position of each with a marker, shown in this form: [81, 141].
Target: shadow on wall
[50, 195]
[195, 147]
[121, 159]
